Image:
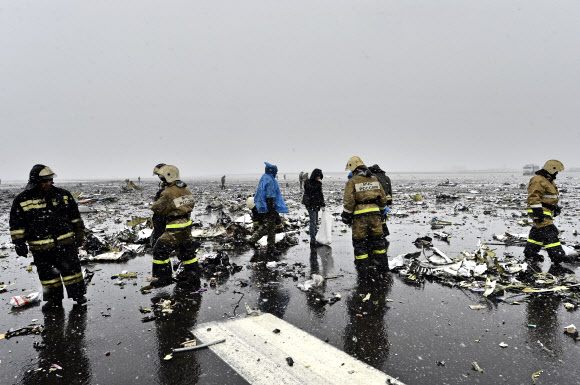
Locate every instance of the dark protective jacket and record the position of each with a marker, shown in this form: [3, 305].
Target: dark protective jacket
[313, 198]
[542, 192]
[385, 181]
[363, 194]
[45, 219]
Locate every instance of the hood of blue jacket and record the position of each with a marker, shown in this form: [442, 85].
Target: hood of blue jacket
[271, 169]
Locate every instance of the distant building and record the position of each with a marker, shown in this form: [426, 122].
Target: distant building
[530, 169]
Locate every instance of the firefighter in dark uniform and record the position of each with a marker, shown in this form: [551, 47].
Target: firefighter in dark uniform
[174, 205]
[364, 203]
[543, 206]
[158, 220]
[385, 181]
[48, 219]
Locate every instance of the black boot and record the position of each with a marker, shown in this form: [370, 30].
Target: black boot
[52, 304]
[160, 282]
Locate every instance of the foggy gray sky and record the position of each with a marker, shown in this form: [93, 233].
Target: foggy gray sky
[110, 88]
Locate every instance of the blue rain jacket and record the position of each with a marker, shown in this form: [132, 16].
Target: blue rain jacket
[268, 188]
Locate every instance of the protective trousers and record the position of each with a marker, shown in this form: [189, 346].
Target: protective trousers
[547, 237]
[368, 242]
[57, 266]
[266, 227]
[313, 215]
[186, 252]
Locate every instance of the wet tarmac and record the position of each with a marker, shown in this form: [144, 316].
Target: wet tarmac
[419, 333]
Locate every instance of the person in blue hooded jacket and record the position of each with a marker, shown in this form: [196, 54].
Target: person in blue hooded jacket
[269, 202]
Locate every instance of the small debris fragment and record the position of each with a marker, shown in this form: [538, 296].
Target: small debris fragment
[571, 329]
[38, 345]
[536, 375]
[189, 343]
[503, 345]
[290, 361]
[476, 367]
[477, 307]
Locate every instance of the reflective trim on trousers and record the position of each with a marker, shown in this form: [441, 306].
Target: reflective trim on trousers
[553, 245]
[194, 260]
[16, 232]
[383, 251]
[51, 283]
[361, 256]
[161, 262]
[72, 279]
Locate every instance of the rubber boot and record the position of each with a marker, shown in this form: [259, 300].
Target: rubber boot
[52, 304]
[160, 282]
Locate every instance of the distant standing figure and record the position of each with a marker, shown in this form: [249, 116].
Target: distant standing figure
[300, 180]
[313, 199]
[48, 219]
[223, 182]
[139, 179]
[269, 202]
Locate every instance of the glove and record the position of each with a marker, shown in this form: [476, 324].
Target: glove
[79, 238]
[389, 202]
[346, 218]
[21, 248]
[557, 211]
[383, 216]
[538, 214]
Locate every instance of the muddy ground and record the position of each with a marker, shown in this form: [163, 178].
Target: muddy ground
[420, 333]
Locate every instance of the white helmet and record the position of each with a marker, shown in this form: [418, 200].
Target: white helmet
[168, 173]
[250, 203]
